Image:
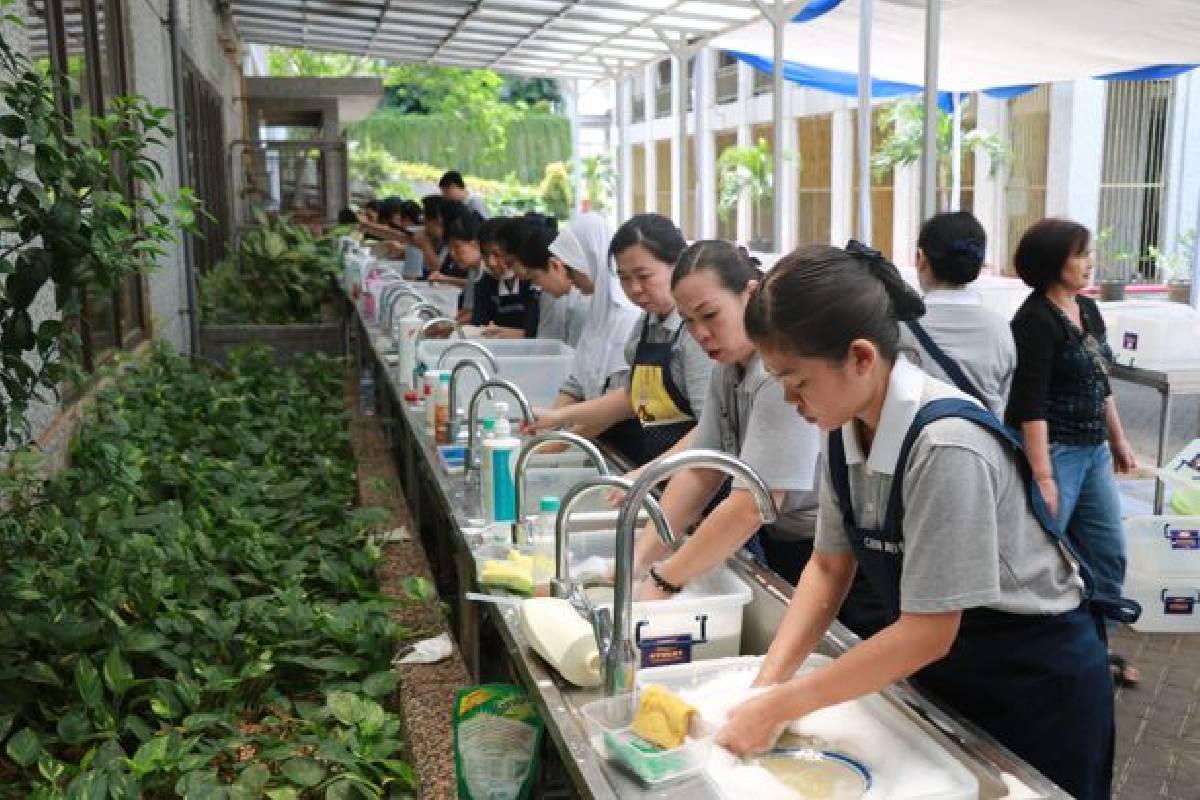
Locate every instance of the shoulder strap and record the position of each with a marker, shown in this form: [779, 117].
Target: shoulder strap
[943, 359]
[839, 476]
[1120, 609]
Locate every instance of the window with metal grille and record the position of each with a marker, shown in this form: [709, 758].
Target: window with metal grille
[206, 164]
[1133, 177]
[637, 154]
[814, 204]
[726, 226]
[1025, 189]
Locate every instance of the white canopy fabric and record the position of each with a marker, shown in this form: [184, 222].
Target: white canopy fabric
[988, 44]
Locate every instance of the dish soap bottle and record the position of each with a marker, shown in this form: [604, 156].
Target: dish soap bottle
[496, 471]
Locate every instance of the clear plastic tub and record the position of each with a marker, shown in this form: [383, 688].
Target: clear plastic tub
[537, 366]
[608, 725]
[1164, 572]
[1147, 333]
[709, 609]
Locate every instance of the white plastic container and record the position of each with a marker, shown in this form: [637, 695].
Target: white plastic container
[903, 761]
[537, 366]
[405, 342]
[557, 481]
[1147, 333]
[497, 465]
[609, 723]
[709, 608]
[1163, 573]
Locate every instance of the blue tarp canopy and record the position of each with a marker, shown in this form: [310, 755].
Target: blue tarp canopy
[1001, 47]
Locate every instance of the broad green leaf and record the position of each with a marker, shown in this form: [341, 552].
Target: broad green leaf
[381, 684]
[74, 727]
[142, 640]
[254, 779]
[403, 770]
[373, 717]
[41, 672]
[24, 747]
[151, 754]
[91, 785]
[303, 771]
[340, 789]
[347, 708]
[87, 681]
[286, 793]
[117, 673]
[6, 721]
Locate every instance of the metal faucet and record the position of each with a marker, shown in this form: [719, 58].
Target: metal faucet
[425, 329]
[563, 583]
[455, 372]
[483, 352]
[619, 659]
[394, 297]
[527, 451]
[473, 411]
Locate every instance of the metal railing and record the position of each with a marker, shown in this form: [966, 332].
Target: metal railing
[308, 179]
[726, 88]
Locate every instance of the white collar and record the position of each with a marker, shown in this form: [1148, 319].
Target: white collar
[964, 296]
[906, 384]
[670, 322]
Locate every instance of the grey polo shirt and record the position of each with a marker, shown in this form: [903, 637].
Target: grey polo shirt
[690, 366]
[970, 538]
[563, 317]
[977, 338]
[745, 416]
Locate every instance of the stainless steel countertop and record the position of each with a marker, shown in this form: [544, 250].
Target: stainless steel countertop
[558, 702]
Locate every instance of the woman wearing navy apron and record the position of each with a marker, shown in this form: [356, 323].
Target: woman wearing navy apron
[930, 496]
[668, 374]
[506, 307]
[958, 340]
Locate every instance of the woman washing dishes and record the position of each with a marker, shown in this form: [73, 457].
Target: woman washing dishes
[958, 340]
[668, 373]
[1062, 404]
[929, 496]
[505, 307]
[524, 244]
[745, 416]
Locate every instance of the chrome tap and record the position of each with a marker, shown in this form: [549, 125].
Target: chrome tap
[483, 352]
[455, 372]
[620, 659]
[571, 589]
[425, 329]
[527, 451]
[473, 412]
[392, 297]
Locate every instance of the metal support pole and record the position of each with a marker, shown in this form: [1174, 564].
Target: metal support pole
[778, 21]
[956, 139]
[700, 147]
[571, 100]
[933, 28]
[181, 156]
[865, 15]
[619, 166]
[681, 94]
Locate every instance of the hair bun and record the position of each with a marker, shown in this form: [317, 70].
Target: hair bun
[967, 247]
[906, 303]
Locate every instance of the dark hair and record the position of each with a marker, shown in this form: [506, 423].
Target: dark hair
[452, 178]
[730, 264]
[492, 229]
[464, 228]
[819, 299]
[412, 210]
[388, 208]
[1044, 249]
[371, 205]
[347, 217]
[452, 210]
[954, 242]
[432, 205]
[528, 240]
[654, 232]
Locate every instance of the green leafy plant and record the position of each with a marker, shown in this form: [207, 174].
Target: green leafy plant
[1115, 261]
[280, 273]
[191, 608]
[744, 171]
[1175, 265]
[903, 123]
[558, 194]
[68, 218]
[599, 180]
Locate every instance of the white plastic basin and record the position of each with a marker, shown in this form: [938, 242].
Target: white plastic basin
[537, 366]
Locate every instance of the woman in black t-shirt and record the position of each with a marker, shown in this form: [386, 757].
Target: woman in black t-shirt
[1062, 404]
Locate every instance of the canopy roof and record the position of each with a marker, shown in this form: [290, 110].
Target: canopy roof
[550, 38]
[986, 44]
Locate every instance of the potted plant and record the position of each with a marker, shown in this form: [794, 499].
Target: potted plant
[748, 171]
[599, 181]
[1113, 266]
[1175, 266]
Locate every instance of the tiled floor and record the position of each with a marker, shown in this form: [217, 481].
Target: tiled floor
[1158, 723]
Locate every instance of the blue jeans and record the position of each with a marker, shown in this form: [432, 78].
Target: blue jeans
[1089, 510]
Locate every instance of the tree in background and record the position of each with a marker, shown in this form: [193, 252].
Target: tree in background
[599, 180]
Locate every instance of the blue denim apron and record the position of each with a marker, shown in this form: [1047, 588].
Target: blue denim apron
[1040, 684]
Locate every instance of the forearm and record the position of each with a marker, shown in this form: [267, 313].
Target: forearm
[383, 231]
[1036, 434]
[681, 503]
[593, 417]
[818, 596]
[1116, 432]
[723, 532]
[895, 653]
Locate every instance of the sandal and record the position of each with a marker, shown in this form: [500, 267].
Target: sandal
[1124, 674]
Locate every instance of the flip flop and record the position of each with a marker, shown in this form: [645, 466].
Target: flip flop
[1124, 674]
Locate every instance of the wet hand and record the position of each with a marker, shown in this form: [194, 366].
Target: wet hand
[544, 420]
[648, 591]
[752, 727]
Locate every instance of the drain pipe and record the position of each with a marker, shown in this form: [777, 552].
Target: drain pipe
[189, 270]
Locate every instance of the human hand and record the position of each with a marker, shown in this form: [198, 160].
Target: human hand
[492, 331]
[616, 496]
[753, 726]
[1122, 454]
[1049, 490]
[647, 591]
[545, 419]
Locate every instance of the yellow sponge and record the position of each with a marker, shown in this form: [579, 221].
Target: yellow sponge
[509, 575]
[662, 718]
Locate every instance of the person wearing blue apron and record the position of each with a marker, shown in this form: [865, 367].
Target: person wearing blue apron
[662, 393]
[744, 416]
[926, 493]
[957, 339]
[506, 307]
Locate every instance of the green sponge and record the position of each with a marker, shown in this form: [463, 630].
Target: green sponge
[647, 761]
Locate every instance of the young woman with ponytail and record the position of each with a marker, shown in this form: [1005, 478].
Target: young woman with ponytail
[928, 495]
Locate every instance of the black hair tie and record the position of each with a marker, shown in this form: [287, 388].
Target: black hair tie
[967, 247]
[871, 257]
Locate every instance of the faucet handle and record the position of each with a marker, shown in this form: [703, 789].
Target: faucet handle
[602, 627]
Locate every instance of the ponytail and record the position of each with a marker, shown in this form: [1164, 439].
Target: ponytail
[819, 299]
